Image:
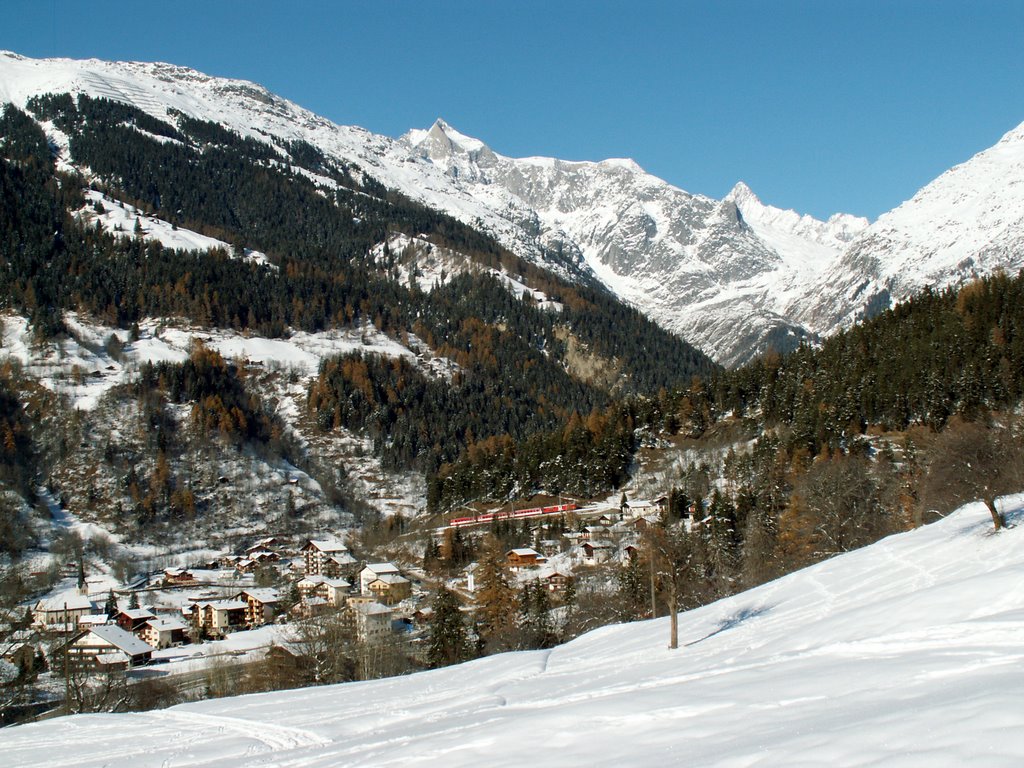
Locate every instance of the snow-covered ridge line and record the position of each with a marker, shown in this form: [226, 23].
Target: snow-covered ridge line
[733, 276]
[607, 218]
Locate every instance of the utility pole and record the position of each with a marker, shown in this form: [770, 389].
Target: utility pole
[67, 668]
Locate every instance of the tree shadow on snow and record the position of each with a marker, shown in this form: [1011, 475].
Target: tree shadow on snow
[731, 622]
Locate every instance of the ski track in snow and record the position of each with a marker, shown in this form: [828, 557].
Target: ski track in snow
[275, 737]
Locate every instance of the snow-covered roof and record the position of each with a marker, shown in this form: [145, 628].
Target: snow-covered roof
[370, 608]
[166, 624]
[391, 579]
[380, 568]
[115, 657]
[342, 558]
[548, 572]
[525, 552]
[223, 605]
[262, 594]
[71, 600]
[120, 639]
[137, 613]
[326, 545]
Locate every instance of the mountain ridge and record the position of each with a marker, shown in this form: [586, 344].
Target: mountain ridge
[735, 276]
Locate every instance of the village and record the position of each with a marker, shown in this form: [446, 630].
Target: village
[260, 602]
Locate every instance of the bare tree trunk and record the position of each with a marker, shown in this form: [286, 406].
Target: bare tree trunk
[673, 612]
[997, 519]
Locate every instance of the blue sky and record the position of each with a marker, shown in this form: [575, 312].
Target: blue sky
[819, 106]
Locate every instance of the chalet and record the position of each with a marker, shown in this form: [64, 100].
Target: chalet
[261, 605]
[554, 580]
[373, 571]
[130, 619]
[646, 507]
[524, 557]
[218, 617]
[550, 547]
[263, 556]
[311, 606]
[174, 576]
[595, 552]
[269, 543]
[163, 632]
[331, 591]
[229, 562]
[64, 608]
[593, 532]
[109, 646]
[326, 557]
[19, 648]
[642, 522]
[390, 588]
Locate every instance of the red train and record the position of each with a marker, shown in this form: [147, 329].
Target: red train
[487, 517]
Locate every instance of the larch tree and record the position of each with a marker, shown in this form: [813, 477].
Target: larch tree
[496, 602]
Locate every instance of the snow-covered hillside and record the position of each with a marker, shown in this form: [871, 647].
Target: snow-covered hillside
[905, 653]
[732, 276]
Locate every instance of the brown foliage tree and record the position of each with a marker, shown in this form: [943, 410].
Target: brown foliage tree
[972, 461]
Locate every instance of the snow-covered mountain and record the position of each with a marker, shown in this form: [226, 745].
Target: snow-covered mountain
[719, 273]
[967, 222]
[905, 653]
[733, 276]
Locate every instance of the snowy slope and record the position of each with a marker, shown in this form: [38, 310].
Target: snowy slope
[906, 653]
[252, 111]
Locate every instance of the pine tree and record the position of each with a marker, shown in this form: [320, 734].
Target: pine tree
[110, 607]
[535, 616]
[133, 602]
[447, 639]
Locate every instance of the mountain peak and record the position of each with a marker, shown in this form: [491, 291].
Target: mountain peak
[741, 193]
[441, 136]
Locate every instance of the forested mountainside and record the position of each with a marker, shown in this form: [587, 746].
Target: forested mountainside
[525, 351]
[794, 458]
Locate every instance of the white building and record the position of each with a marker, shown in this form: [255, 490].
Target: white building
[372, 572]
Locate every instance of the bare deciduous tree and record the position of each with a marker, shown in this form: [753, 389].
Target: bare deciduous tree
[970, 462]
